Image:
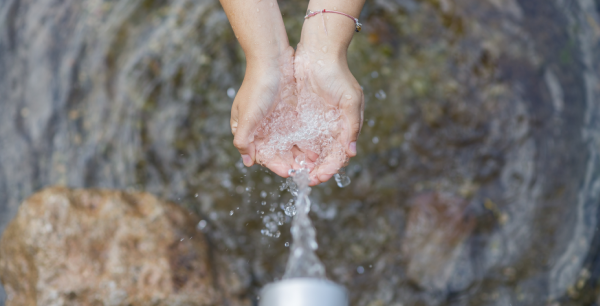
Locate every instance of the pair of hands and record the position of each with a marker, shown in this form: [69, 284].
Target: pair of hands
[319, 65]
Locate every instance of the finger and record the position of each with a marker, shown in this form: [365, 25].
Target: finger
[325, 171]
[243, 124]
[312, 156]
[314, 180]
[279, 167]
[240, 142]
[233, 122]
[309, 157]
[246, 148]
[281, 164]
[296, 151]
[352, 105]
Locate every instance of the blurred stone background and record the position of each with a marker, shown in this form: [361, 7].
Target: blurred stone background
[478, 175]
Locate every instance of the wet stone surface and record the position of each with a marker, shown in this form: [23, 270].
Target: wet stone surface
[100, 247]
[494, 102]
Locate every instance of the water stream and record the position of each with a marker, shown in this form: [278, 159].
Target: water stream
[303, 261]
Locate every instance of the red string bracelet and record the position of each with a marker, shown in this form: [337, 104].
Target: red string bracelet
[310, 13]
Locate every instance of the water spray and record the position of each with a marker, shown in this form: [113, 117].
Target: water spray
[304, 282]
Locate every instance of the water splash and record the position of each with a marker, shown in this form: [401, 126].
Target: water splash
[341, 178]
[303, 261]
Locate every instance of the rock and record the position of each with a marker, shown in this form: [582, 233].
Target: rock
[437, 227]
[98, 247]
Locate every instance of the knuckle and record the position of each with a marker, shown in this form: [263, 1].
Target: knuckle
[239, 143]
[356, 127]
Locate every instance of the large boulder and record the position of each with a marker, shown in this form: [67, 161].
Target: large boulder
[99, 247]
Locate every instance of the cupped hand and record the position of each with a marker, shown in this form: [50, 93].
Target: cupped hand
[267, 82]
[328, 76]
[271, 82]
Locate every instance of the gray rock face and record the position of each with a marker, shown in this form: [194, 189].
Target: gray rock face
[437, 227]
[495, 102]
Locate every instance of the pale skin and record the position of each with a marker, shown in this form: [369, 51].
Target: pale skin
[259, 27]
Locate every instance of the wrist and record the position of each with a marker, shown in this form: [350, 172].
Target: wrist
[266, 51]
[269, 68]
[328, 35]
[268, 57]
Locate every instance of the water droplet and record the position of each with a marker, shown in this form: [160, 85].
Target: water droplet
[231, 92]
[380, 95]
[239, 189]
[341, 178]
[321, 63]
[195, 195]
[371, 123]
[201, 225]
[287, 244]
[290, 210]
[300, 159]
[181, 240]
[349, 97]
[375, 140]
[263, 203]
[324, 49]
[263, 194]
[374, 74]
[231, 212]
[360, 270]
[267, 180]
[342, 181]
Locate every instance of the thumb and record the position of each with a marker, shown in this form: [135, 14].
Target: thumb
[352, 105]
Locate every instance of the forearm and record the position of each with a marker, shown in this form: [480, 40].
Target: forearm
[340, 29]
[259, 28]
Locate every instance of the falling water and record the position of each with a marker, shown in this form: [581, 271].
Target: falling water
[303, 262]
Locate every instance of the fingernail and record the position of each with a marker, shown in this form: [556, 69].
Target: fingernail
[352, 147]
[247, 160]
